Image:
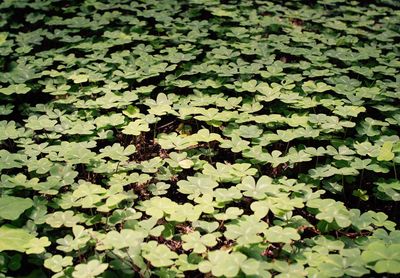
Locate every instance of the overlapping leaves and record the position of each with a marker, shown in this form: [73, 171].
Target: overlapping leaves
[170, 138]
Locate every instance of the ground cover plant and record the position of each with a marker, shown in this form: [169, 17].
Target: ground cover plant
[199, 138]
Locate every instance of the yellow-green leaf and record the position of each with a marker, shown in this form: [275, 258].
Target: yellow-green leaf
[386, 154]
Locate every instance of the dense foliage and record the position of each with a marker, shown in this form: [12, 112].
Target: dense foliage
[190, 138]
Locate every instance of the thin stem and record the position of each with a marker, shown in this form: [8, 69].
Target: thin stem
[287, 148]
[361, 178]
[343, 190]
[154, 131]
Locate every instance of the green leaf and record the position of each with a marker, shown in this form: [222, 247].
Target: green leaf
[388, 266]
[257, 191]
[37, 245]
[117, 152]
[158, 255]
[56, 263]
[230, 213]
[388, 190]
[3, 37]
[222, 263]
[14, 239]
[196, 186]
[197, 242]
[310, 86]
[387, 258]
[136, 128]
[330, 210]
[123, 239]
[88, 194]
[62, 218]
[15, 89]
[385, 153]
[12, 207]
[79, 78]
[90, 270]
[279, 234]
[246, 230]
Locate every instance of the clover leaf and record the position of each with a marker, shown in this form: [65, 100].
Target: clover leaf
[65, 218]
[195, 186]
[56, 263]
[37, 245]
[388, 190]
[15, 89]
[382, 258]
[158, 255]
[79, 78]
[198, 242]
[117, 152]
[257, 191]
[123, 239]
[136, 128]
[385, 153]
[246, 230]
[88, 194]
[41, 122]
[222, 263]
[230, 213]
[279, 234]
[13, 238]
[330, 210]
[12, 207]
[310, 86]
[89, 270]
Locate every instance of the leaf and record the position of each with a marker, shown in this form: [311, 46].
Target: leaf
[257, 191]
[159, 255]
[330, 210]
[15, 89]
[42, 122]
[126, 238]
[179, 160]
[62, 218]
[11, 160]
[3, 37]
[117, 152]
[196, 186]
[90, 270]
[9, 130]
[385, 153]
[136, 128]
[251, 131]
[236, 144]
[222, 263]
[158, 206]
[230, 213]
[279, 205]
[56, 263]
[245, 230]
[204, 135]
[386, 257]
[88, 194]
[37, 245]
[279, 234]
[79, 78]
[388, 190]
[197, 242]
[222, 13]
[175, 141]
[14, 239]
[12, 207]
[310, 86]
